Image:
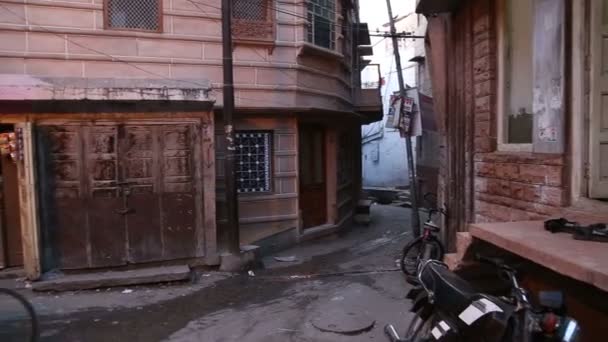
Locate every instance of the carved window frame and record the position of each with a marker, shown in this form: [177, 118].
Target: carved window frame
[107, 26]
[254, 159]
[247, 31]
[323, 11]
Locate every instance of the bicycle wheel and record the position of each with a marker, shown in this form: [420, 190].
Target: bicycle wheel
[18, 320]
[420, 250]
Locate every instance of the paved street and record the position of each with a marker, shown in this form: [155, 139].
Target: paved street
[344, 281]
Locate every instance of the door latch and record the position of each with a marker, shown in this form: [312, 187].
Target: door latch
[125, 192]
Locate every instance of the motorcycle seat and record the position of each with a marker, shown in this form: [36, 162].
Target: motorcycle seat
[450, 292]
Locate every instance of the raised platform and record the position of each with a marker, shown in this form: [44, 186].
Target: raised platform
[582, 260]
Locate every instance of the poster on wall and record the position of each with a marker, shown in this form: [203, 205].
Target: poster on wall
[393, 117]
[412, 122]
[408, 105]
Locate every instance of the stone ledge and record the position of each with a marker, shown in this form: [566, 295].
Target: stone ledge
[582, 260]
[25, 87]
[95, 280]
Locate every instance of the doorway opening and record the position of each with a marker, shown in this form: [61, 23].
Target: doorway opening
[313, 179]
[11, 249]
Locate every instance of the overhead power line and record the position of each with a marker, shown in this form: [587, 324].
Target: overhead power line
[114, 58]
[157, 75]
[294, 79]
[294, 14]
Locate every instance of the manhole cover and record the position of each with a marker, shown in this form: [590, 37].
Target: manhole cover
[347, 322]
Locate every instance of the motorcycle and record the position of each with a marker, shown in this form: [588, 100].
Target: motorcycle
[447, 308]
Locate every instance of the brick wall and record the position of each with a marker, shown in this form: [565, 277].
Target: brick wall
[511, 187]
[508, 186]
[484, 76]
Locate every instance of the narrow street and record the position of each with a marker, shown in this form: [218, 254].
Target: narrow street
[354, 276]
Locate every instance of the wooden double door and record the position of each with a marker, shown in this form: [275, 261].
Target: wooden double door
[119, 193]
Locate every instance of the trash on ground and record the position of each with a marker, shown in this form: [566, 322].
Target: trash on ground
[300, 277]
[286, 258]
[251, 274]
[127, 291]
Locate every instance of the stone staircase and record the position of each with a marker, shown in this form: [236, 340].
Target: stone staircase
[463, 242]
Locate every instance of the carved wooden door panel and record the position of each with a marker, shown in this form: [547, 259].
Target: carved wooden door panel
[118, 193]
[102, 196]
[78, 180]
[158, 172]
[178, 194]
[139, 186]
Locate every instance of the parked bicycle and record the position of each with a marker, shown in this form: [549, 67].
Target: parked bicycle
[448, 309]
[18, 320]
[426, 247]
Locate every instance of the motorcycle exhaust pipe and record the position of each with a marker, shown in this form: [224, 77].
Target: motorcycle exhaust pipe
[391, 332]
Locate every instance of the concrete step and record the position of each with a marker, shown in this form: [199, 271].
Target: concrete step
[12, 273]
[402, 204]
[452, 260]
[463, 242]
[104, 279]
[363, 206]
[455, 262]
[362, 219]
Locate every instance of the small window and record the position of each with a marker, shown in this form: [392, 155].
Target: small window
[252, 10]
[517, 72]
[142, 15]
[321, 26]
[253, 170]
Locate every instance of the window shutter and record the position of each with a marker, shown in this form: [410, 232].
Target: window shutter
[548, 76]
[598, 166]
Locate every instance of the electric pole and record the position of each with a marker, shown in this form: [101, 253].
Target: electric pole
[415, 218]
[232, 206]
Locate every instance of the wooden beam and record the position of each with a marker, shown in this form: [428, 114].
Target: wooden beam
[28, 202]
